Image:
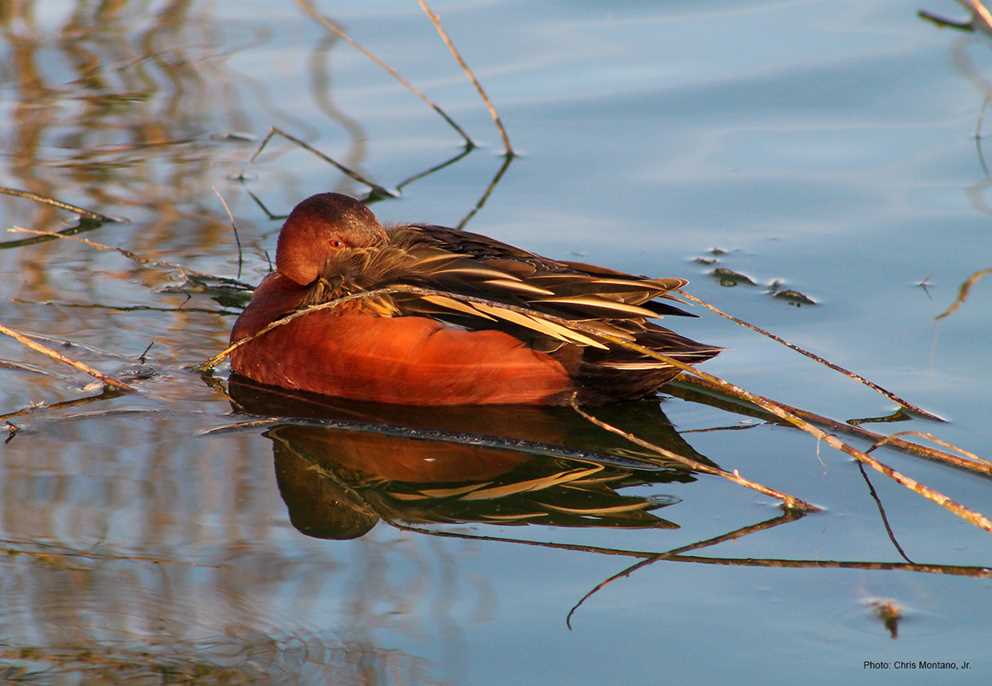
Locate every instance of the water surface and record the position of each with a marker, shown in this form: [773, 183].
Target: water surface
[829, 146]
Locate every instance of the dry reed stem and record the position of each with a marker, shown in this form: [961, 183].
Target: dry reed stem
[208, 365]
[842, 427]
[734, 535]
[55, 355]
[789, 501]
[24, 367]
[350, 173]
[925, 435]
[54, 550]
[336, 29]
[35, 407]
[723, 427]
[980, 12]
[813, 356]
[134, 257]
[774, 563]
[431, 435]
[67, 343]
[234, 226]
[436, 21]
[45, 200]
[126, 308]
[964, 291]
[972, 517]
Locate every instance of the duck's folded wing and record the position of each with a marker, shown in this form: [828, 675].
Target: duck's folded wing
[474, 264]
[485, 284]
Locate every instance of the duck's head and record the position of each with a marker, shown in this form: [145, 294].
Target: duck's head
[319, 227]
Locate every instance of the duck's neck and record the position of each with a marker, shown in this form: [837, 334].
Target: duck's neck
[275, 297]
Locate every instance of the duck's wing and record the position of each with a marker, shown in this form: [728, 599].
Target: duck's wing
[570, 289]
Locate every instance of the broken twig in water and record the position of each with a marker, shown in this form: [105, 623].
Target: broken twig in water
[964, 291]
[772, 563]
[127, 308]
[980, 12]
[234, 226]
[789, 501]
[813, 356]
[658, 557]
[75, 209]
[432, 435]
[67, 343]
[436, 21]
[713, 392]
[971, 516]
[208, 365]
[134, 257]
[337, 30]
[933, 439]
[55, 355]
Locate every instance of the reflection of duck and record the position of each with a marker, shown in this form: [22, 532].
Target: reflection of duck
[431, 349]
[338, 483]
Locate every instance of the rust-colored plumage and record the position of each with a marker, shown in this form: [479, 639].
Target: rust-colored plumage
[430, 349]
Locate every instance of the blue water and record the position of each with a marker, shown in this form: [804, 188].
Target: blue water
[827, 145]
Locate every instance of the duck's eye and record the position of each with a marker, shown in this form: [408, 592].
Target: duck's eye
[337, 243]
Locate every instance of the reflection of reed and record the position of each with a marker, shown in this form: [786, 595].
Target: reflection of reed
[320, 86]
[171, 582]
[194, 550]
[32, 114]
[128, 131]
[647, 558]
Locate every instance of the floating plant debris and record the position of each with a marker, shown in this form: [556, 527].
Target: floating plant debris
[889, 612]
[728, 277]
[790, 295]
[794, 297]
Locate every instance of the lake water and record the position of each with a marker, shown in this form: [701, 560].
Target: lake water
[828, 146]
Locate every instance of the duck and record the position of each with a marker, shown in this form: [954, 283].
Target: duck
[481, 322]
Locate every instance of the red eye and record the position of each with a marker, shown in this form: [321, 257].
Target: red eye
[337, 243]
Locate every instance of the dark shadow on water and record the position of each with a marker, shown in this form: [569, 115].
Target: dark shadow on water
[339, 483]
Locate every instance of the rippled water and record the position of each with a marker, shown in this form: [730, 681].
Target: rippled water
[829, 146]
